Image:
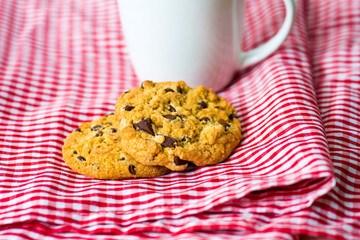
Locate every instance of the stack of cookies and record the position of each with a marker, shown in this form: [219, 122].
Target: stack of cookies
[156, 128]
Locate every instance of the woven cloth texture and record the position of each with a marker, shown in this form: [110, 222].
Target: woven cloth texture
[296, 171]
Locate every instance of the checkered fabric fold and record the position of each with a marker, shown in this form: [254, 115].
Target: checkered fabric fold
[296, 172]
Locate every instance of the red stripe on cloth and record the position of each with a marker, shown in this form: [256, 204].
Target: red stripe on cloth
[29, 232]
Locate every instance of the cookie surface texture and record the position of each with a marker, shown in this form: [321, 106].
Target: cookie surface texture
[170, 124]
[94, 150]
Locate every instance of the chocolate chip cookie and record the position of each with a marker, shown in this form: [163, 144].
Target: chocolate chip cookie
[94, 150]
[170, 124]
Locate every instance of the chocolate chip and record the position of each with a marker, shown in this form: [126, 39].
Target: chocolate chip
[78, 130]
[170, 117]
[169, 142]
[145, 125]
[183, 140]
[232, 116]
[206, 119]
[190, 166]
[75, 152]
[122, 159]
[179, 161]
[98, 134]
[82, 159]
[179, 89]
[172, 109]
[169, 90]
[132, 169]
[142, 85]
[203, 104]
[109, 114]
[95, 128]
[128, 108]
[126, 92]
[217, 107]
[226, 126]
[113, 130]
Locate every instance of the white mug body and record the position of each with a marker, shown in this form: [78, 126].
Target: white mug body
[189, 40]
[197, 41]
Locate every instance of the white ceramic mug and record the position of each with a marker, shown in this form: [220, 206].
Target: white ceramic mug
[197, 41]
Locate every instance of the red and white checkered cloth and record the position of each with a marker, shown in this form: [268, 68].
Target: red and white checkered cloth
[296, 172]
